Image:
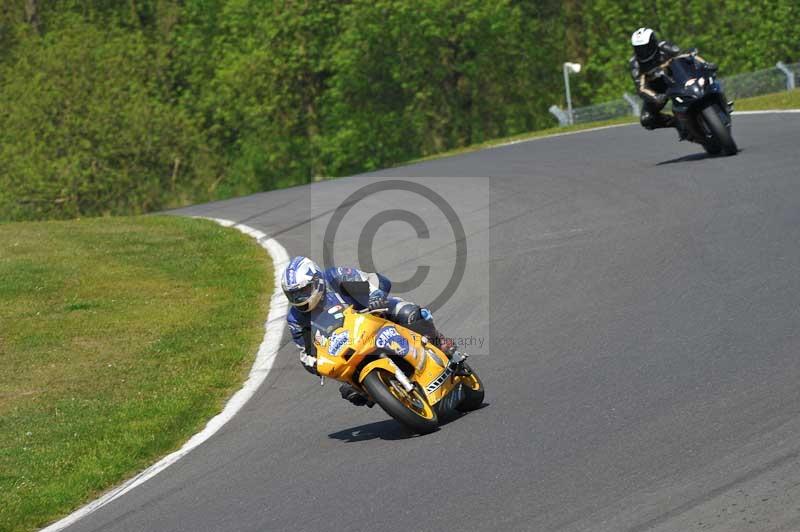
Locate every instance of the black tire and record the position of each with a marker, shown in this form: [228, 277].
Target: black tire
[473, 390]
[712, 149]
[377, 384]
[722, 134]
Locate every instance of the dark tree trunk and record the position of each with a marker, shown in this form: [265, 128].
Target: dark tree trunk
[574, 30]
[32, 14]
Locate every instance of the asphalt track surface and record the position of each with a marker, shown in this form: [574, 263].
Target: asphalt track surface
[644, 366]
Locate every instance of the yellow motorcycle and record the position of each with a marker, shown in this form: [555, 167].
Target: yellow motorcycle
[400, 370]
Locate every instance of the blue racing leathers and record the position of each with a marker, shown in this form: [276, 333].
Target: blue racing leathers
[339, 284]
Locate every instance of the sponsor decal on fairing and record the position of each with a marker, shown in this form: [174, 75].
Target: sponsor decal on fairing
[389, 338]
[338, 341]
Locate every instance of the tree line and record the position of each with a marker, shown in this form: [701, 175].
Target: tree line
[110, 106]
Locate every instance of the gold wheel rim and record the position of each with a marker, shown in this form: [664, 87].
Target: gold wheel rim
[413, 401]
[472, 382]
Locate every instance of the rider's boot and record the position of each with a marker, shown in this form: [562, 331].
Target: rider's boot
[354, 396]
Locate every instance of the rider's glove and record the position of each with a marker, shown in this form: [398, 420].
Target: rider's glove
[377, 299]
[712, 67]
[309, 363]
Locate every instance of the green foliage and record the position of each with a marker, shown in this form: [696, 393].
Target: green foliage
[417, 77]
[268, 81]
[100, 98]
[11, 15]
[87, 128]
[738, 35]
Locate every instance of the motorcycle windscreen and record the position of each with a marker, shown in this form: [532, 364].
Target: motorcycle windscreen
[358, 290]
[327, 321]
[683, 69]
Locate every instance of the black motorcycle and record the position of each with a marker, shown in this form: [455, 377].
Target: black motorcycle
[699, 104]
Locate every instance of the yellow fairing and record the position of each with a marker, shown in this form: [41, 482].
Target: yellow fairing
[364, 337]
[381, 363]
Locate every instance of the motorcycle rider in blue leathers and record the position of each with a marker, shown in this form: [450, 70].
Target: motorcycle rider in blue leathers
[311, 291]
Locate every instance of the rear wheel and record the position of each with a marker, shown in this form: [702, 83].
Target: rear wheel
[473, 390]
[409, 408]
[722, 138]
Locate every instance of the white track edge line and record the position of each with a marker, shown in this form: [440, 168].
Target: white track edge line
[766, 111]
[265, 357]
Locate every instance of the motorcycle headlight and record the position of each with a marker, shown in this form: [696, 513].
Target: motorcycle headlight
[689, 82]
[701, 82]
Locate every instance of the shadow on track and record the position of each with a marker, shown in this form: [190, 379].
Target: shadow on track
[389, 429]
[688, 158]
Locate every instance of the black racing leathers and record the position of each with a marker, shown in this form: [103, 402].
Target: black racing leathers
[652, 87]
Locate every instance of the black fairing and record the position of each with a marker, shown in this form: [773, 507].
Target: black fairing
[690, 97]
[684, 96]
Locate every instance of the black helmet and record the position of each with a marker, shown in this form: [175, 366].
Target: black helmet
[645, 44]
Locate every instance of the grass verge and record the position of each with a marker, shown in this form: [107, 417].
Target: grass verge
[778, 100]
[119, 338]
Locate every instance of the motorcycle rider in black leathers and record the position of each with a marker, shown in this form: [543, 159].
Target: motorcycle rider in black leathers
[651, 57]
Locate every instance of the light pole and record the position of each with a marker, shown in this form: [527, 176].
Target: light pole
[573, 68]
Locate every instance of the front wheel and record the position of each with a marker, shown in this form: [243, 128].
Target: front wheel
[473, 390]
[409, 408]
[721, 134]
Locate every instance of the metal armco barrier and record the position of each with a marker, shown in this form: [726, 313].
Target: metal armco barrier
[782, 77]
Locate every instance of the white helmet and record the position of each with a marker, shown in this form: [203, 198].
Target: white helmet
[645, 44]
[303, 283]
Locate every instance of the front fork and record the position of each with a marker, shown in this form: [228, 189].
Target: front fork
[402, 379]
[399, 375]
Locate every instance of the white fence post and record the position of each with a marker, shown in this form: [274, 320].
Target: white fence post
[563, 118]
[633, 101]
[789, 74]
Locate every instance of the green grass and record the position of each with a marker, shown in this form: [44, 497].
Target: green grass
[119, 338]
[778, 100]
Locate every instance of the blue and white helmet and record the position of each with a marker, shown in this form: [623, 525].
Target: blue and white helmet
[303, 283]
